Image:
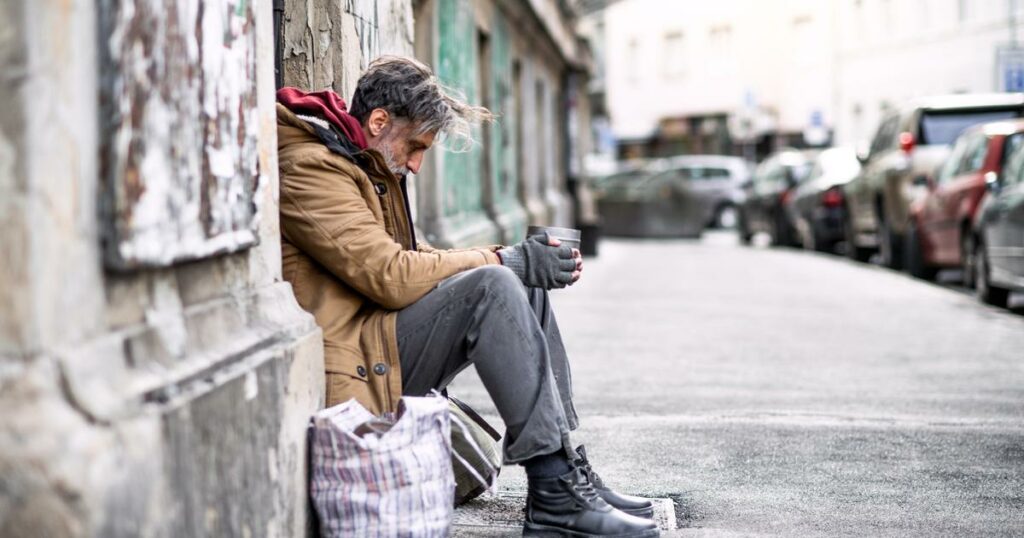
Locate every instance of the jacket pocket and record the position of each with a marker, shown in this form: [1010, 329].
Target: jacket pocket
[343, 387]
[347, 376]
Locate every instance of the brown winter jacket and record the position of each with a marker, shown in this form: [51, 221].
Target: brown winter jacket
[349, 251]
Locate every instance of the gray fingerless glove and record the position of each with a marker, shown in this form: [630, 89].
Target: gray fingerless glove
[538, 264]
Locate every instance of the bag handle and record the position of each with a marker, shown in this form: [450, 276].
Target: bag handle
[475, 417]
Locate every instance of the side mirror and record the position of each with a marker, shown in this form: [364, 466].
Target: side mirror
[992, 183]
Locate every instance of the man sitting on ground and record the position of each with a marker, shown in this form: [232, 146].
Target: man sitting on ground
[400, 317]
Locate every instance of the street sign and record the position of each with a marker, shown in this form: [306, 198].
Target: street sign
[1010, 69]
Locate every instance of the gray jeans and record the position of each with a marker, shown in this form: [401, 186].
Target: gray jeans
[486, 317]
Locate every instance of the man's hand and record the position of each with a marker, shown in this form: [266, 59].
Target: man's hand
[542, 262]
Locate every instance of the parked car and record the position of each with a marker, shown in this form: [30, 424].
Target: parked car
[678, 196]
[999, 228]
[908, 146]
[774, 182]
[816, 208]
[939, 234]
[631, 170]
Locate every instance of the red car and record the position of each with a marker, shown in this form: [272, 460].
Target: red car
[939, 233]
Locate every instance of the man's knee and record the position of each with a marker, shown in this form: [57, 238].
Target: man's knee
[499, 280]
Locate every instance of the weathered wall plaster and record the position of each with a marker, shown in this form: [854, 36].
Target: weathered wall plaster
[139, 402]
[179, 105]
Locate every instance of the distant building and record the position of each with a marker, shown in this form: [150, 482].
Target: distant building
[748, 76]
[735, 76]
[890, 51]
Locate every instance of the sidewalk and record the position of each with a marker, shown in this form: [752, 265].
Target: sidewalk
[777, 392]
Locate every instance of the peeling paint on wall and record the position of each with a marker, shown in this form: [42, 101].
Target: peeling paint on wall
[367, 28]
[180, 156]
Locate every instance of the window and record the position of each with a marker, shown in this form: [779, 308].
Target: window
[721, 59]
[633, 60]
[803, 37]
[886, 136]
[944, 126]
[951, 167]
[974, 157]
[1013, 150]
[701, 173]
[675, 55]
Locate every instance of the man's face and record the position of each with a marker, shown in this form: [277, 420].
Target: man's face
[401, 147]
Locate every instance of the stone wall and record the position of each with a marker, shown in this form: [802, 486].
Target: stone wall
[327, 43]
[162, 401]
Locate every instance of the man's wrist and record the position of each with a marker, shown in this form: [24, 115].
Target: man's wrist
[512, 258]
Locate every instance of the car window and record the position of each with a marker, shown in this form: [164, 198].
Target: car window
[1011, 147]
[951, 166]
[801, 172]
[974, 154]
[1013, 162]
[701, 173]
[817, 170]
[885, 135]
[944, 126]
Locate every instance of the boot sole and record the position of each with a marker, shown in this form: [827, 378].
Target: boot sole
[536, 530]
[646, 513]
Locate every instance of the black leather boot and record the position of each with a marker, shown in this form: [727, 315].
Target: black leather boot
[634, 506]
[569, 506]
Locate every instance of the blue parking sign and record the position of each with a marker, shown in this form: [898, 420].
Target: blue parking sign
[1010, 65]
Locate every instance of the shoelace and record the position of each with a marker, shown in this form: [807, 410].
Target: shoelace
[592, 475]
[584, 490]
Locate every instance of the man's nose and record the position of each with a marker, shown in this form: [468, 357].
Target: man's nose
[414, 163]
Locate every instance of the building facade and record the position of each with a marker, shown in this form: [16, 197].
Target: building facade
[890, 51]
[715, 77]
[523, 61]
[725, 76]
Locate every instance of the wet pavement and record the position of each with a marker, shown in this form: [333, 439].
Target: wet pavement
[780, 392]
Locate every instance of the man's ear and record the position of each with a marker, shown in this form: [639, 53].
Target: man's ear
[377, 121]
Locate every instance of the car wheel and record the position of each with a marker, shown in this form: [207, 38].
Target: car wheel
[818, 243]
[889, 245]
[727, 217]
[967, 258]
[853, 251]
[743, 229]
[988, 293]
[781, 234]
[915, 262]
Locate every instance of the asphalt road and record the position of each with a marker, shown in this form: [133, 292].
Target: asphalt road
[780, 392]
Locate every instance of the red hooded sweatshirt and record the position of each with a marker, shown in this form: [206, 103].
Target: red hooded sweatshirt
[327, 105]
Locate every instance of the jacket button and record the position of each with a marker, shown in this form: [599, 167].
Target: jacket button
[381, 189]
[380, 368]
[361, 371]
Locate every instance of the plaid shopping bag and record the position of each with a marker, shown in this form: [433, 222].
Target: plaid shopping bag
[383, 476]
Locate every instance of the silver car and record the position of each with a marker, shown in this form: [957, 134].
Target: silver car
[678, 196]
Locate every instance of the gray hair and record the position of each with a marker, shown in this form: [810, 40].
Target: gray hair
[408, 89]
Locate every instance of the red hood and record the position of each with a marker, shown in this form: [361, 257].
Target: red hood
[327, 105]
